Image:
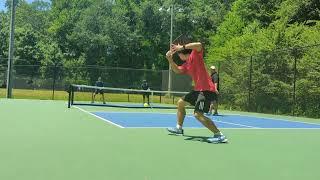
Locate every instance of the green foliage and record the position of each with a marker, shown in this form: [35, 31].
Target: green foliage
[53, 59]
[273, 34]
[28, 52]
[75, 40]
[4, 37]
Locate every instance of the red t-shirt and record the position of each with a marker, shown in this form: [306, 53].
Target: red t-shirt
[195, 68]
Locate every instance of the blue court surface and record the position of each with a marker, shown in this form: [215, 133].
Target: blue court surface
[160, 120]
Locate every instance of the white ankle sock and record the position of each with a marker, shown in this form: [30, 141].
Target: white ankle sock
[219, 133]
[178, 126]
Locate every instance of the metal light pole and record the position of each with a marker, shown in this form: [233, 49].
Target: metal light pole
[250, 83]
[11, 50]
[171, 32]
[294, 83]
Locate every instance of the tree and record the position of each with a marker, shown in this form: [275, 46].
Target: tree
[270, 33]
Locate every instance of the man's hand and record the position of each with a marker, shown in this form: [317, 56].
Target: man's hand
[169, 55]
[175, 48]
[173, 65]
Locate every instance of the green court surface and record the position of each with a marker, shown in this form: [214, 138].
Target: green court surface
[44, 140]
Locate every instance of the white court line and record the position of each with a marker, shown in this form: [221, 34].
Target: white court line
[244, 128]
[232, 123]
[273, 118]
[237, 124]
[120, 112]
[134, 112]
[106, 120]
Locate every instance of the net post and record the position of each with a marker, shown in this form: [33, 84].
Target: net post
[72, 94]
[69, 96]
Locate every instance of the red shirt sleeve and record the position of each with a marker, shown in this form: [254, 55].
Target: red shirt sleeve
[194, 56]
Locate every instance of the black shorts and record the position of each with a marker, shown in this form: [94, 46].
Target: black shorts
[200, 99]
[146, 95]
[98, 91]
[216, 97]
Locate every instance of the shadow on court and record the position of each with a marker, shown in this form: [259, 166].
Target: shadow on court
[196, 138]
[193, 138]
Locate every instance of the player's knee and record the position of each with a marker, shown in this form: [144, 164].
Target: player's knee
[181, 103]
[198, 114]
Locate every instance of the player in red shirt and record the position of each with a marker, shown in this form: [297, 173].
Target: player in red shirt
[204, 90]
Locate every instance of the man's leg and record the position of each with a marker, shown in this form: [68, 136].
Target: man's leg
[144, 98]
[215, 106]
[206, 122]
[181, 112]
[202, 105]
[103, 100]
[93, 97]
[218, 136]
[210, 108]
[148, 98]
[180, 118]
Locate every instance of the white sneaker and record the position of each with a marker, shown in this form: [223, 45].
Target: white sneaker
[218, 139]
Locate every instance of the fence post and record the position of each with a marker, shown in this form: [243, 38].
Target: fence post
[11, 50]
[54, 80]
[69, 96]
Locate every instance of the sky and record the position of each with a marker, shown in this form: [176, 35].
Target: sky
[2, 2]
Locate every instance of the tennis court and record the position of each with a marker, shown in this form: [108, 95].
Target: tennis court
[162, 120]
[88, 89]
[47, 140]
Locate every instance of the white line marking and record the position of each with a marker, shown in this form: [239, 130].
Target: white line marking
[134, 112]
[106, 120]
[230, 123]
[245, 128]
[237, 124]
[274, 118]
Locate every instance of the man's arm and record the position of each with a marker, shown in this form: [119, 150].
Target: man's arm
[174, 66]
[215, 79]
[216, 86]
[195, 45]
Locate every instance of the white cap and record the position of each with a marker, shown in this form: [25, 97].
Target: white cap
[212, 67]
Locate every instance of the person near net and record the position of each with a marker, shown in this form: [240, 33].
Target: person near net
[145, 86]
[215, 80]
[98, 83]
[204, 90]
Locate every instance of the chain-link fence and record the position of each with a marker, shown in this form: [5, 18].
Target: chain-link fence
[58, 78]
[283, 81]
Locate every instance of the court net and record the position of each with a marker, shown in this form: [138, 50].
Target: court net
[122, 98]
